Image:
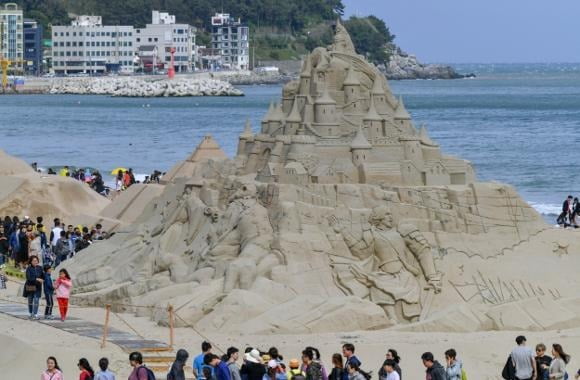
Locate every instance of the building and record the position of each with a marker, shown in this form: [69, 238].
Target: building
[88, 46]
[33, 47]
[231, 37]
[340, 123]
[166, 34]
[11, 35]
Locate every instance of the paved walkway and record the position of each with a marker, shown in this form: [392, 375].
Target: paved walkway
[127, 341]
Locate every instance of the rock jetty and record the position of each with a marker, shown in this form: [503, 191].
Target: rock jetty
[136, 87]
[402, 65]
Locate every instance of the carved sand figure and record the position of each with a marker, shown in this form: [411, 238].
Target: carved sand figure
[391, 261]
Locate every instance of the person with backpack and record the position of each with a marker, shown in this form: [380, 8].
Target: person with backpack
[177, 372]
[523, 360]
[62, 248]
[435, 370]
[253, 369]
[313, 369]
[295, 373]
[140, 372]
[87, 372]
[454, 367]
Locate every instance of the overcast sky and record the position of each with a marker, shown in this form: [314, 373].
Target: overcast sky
[480, 31]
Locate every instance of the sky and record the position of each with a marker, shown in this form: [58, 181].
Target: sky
[480, 31]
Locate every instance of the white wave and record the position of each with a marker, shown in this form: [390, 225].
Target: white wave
[546, 208]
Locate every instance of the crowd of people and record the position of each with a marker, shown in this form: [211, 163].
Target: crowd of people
[22, 239]
[269, 365]
[94, 179]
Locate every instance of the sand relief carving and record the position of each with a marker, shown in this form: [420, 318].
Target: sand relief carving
[392, 264]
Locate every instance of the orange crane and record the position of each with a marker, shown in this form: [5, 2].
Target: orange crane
[5, 64]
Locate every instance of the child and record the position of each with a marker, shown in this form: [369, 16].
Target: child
[48, 291]
[390, 369]
[63, 289]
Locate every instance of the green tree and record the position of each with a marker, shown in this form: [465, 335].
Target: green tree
[370, 36]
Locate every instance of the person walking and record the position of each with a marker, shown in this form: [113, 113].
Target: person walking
[221, 370]
[394, 356]
[542, 362]
[558, 364]
[313, 369]
[354, 372]
[253, 369]
[392, 374]
[176, 372]
[53, 371]
[523, 360]
[337, 368]
[87, 372]
[33, 286]
[454, 366]
[232, 356]
[140, 372]
[63, 288]
[435, 370]
[48, 287]
[198, 361]
[350, 359]
[104, 374]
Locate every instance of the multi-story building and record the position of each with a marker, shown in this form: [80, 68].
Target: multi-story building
[88, 46]
[166, 34]
[11, 35]
[231, 37]
[33, 48]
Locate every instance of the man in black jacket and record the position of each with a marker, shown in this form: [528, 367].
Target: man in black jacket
[567, 211]
[435, 371]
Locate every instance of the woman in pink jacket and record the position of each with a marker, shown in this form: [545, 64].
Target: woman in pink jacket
[52, 372]
[63, 288]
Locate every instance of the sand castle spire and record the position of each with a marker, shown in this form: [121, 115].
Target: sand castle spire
[325, 98]
[342, 40]
[401, 112]
[306, 71]
[378, 88]
[247, 129]
[268, 114]
[360, 141]
[351, 77]
[372, 114]
[294, 115]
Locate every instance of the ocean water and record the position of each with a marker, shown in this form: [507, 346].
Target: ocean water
[518, 124]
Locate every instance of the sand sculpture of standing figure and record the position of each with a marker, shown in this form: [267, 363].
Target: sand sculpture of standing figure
[390, 263]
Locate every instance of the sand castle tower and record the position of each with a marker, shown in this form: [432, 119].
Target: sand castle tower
[322, 119]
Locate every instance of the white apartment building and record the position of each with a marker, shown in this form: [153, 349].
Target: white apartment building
[231, 38]
[164, 33]
[12, 34]
[88, 46]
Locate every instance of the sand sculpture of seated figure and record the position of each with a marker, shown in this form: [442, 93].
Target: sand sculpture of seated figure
[253, 232]
[390, 263]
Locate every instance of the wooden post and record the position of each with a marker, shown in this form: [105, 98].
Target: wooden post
[106, 326]
[171, 323]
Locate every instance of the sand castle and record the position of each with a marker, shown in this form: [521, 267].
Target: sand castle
[338, 215]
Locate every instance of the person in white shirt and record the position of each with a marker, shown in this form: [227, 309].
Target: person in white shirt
[105, 374]
[390, 369]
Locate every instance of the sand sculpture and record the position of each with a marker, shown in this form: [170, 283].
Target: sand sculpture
[338, 215]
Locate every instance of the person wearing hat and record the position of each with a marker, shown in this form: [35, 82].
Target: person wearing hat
[253, 369]
[295, 373]
[273, 372]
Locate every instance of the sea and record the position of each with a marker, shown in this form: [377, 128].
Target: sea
[517, 123]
